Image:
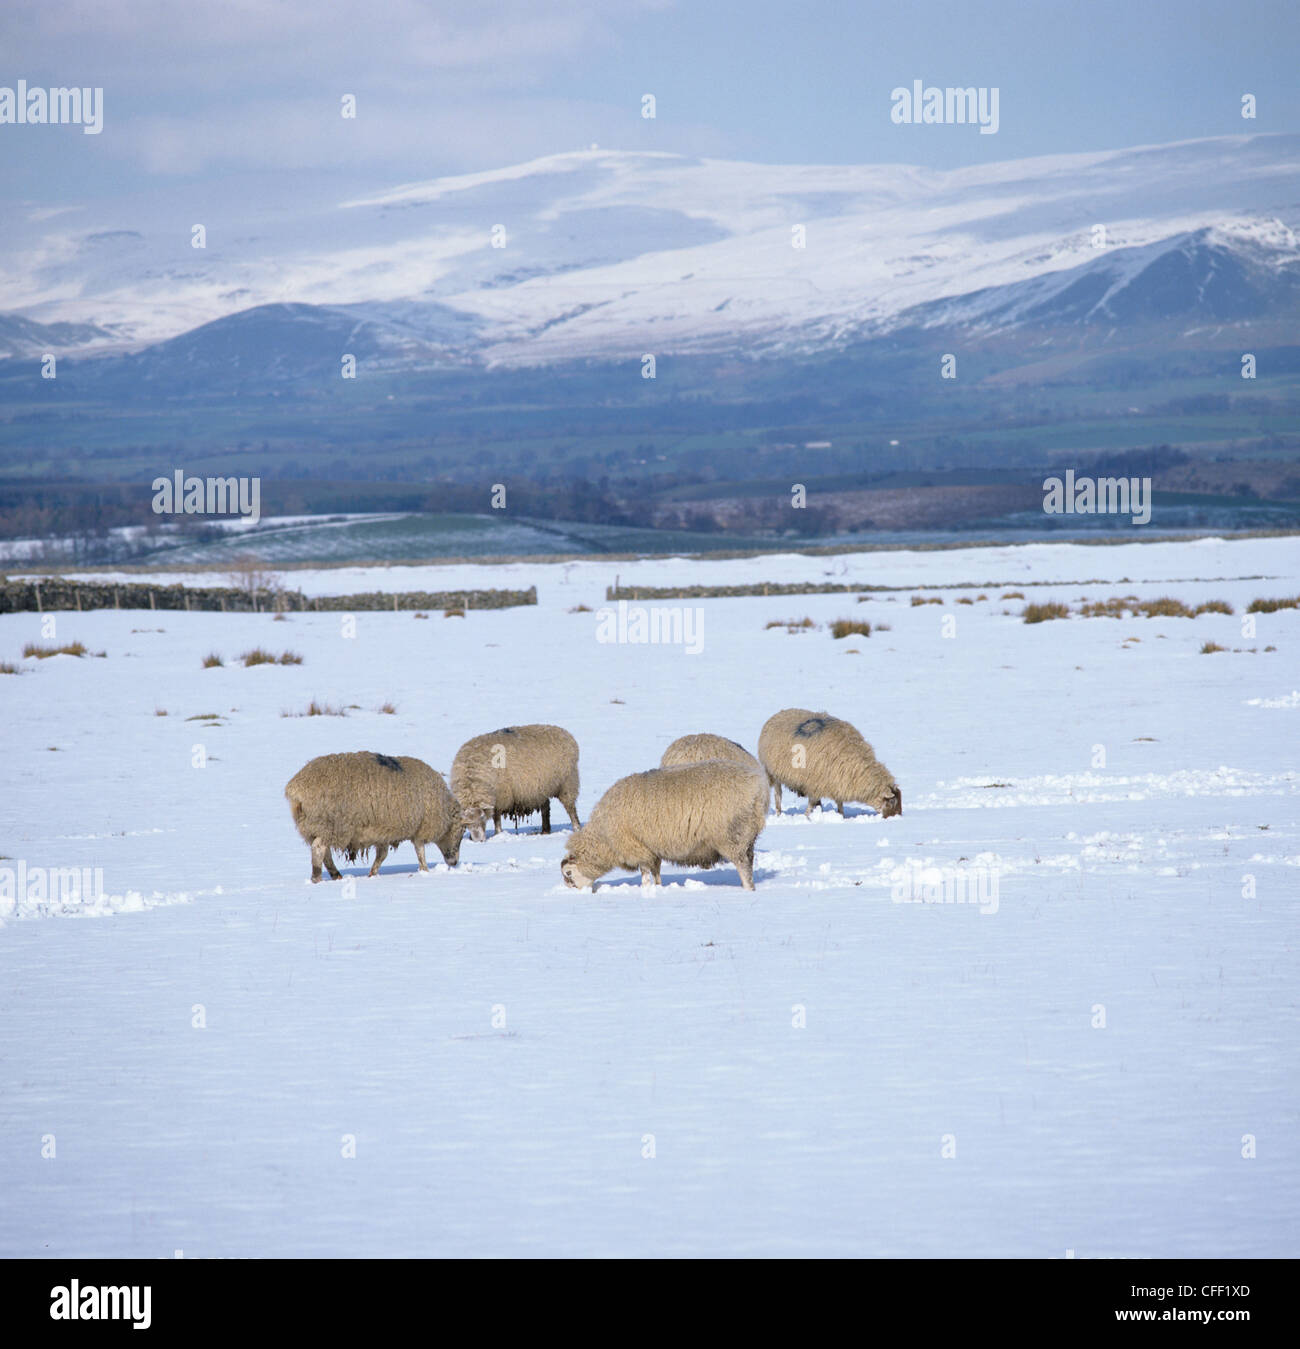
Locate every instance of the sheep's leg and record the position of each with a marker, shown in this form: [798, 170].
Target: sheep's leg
[650, 872]
[381, 851]
[546, 816]
[808, 808]
[335, 873]
[570, 803]
[496, 823]
[318, 854]
[839, 805]
[777, 787]
[419, 856]
[744, 863]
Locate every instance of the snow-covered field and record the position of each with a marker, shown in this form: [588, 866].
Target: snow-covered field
[226, 1060]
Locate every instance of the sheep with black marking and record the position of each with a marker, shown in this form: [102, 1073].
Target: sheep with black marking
[702, 746]
[691, 814]
[355, 802]
[817, 755]
[514, 772]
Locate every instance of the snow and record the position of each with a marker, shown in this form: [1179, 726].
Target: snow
[601, 247]
[30, 550]
[503, 1051]
[570, 582]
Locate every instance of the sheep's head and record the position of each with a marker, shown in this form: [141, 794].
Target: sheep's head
[475, 823]
[450, 844]
[891, 801]
[578, 872]
[574, 877]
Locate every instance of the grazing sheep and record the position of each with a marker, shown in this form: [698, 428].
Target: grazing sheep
[692, 814]
[697, 748]
[817, 755]
[355, 802]
[513, 772]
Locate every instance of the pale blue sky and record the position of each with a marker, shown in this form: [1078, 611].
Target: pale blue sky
[247, 95]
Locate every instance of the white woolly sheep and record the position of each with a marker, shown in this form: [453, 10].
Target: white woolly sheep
[817, 755]
[702, 746]
[691, 814]
[355, 802]
[514, 772]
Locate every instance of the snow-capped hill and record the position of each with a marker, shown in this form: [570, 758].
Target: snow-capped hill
[608, 253]
[24, 338]
[1243, 269]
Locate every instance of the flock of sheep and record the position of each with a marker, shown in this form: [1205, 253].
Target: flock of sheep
[707, 801]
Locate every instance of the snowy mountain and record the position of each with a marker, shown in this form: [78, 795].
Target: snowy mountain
[24, 338]
[600, 254]
[1239, 270]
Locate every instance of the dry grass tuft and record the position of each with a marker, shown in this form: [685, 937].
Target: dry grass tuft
[45, 652]
[259, 655]
[848, 627]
